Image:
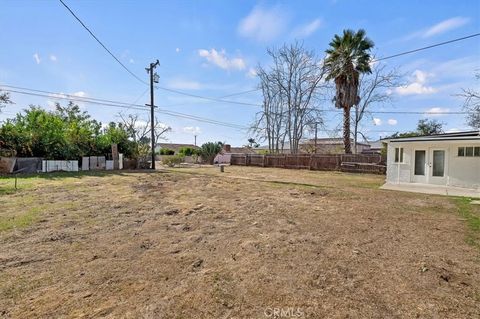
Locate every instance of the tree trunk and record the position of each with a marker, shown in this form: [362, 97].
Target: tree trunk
[346, 129]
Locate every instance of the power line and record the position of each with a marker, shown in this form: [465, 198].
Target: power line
[51, 94]
[375, 60]
[138, 78]
[206, 98]
[129, 106]
[427, 47]
[230, 101]
[101, 43]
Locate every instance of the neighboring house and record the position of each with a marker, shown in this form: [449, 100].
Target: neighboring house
[330, 146]
[226, 153]
[375, 147]
[173, 146]
[451, 159]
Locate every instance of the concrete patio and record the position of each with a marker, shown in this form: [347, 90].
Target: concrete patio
[433, 189]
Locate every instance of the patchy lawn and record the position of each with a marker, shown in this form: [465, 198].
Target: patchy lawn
[197, 243]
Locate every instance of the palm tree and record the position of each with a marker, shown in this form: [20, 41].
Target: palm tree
[347, 57]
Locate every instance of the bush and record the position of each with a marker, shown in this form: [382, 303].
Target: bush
[166, 151]
[188, 151]
[173, 160]
[210, 150]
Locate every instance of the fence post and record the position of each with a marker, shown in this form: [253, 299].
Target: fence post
[263, 164]
[285, 161]
[310, 162]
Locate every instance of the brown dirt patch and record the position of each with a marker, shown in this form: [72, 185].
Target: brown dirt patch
[198, 244]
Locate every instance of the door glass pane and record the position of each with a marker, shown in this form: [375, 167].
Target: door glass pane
[438, 163]
[477, 151]
[419, 162]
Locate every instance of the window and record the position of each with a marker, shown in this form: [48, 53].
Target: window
[469, 151]
[398, 154]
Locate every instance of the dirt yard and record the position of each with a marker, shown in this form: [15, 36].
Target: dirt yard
[248, 243]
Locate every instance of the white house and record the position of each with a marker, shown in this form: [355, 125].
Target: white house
[451, 160]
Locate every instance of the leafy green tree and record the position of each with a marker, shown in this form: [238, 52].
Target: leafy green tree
[429, 127]
[209, 150]
[424, 127]
[66, 133]
[347, 57]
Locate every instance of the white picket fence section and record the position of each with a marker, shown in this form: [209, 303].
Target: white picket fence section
[55, 166]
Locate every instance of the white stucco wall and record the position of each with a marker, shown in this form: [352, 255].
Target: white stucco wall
[463, 171]
[460, 171]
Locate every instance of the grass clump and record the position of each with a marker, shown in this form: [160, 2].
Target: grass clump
[472, 217]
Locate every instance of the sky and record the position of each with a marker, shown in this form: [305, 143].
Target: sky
[211, 49]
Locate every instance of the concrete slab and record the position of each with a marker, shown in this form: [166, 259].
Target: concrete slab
[433, 189]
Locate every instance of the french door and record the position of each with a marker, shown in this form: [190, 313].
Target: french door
[438, 166]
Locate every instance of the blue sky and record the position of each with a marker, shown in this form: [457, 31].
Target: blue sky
[211, 48]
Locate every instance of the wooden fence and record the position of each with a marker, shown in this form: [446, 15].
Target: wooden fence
[339, 162]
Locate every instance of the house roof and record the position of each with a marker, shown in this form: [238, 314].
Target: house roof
[241, 150]
[468, 135]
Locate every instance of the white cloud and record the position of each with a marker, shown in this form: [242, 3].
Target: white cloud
[177, 50]
[263, 24]
[80, 94]
[132, 61]
[453, 130]
[252, 73]
[436, 111]
[444, 26]
[392, 122]
[377, 121]
[62, 98]
[195, 130]
[220, 59]
[53, 58]
[307, 29]
[417, 86]
[36, 57]
[182, 84]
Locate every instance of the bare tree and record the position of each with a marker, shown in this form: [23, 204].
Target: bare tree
[374, 89]
[139, 130]
[291, 89]
[472, 105]
[269, 124]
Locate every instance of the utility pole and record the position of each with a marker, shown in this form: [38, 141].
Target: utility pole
[153, 79]
[195, 139]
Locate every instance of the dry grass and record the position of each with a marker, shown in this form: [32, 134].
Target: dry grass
[195, 243]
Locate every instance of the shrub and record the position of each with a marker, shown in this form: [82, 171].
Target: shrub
[173, 160]
[188, 151]
[166, 151]
[210, 150]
